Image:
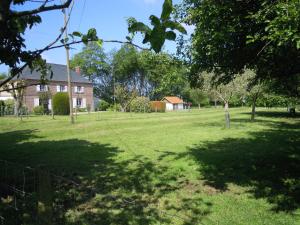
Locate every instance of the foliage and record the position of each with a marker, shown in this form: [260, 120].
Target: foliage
[233, 35]
[103, 105]
[163, 28]
[199, 97]
[44, 98]
[158, 106]
[153, 75]
[39, 110]
[60, 104]
[94, 64]
[9, 106]
[140, 104]
[124, 96]
[3, 75]
[115, 107]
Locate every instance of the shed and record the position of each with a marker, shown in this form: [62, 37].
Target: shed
[173, 103]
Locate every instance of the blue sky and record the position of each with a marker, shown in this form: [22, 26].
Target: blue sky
[107, 16]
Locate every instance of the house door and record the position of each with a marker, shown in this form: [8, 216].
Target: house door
[175, 106]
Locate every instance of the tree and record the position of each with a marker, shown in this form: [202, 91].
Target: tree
[124, 96]
[13, 25]
[198, 96]
[17, 91]
[95, 65]
[225, 92]
[233, 35]
[152, 75]
[2, 76]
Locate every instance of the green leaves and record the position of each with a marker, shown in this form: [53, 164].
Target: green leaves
[170, 35]
[162, 28]
[167, 10]
[138, 27]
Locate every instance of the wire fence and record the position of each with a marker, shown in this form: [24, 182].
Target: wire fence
[37, 196]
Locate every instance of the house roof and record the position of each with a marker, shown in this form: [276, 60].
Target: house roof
[173, 99]
[59, 74]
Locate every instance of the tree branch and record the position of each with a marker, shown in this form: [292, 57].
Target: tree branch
[42, 8]
[13, 88]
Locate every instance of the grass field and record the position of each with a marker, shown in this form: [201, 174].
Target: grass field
[171, 168]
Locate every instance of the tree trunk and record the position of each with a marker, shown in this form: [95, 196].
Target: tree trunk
[215, 103]
[253, 109]
[17, 107]
[199, 106]
[227, 115]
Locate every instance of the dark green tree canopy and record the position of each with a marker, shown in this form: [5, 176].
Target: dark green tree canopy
[233, 35]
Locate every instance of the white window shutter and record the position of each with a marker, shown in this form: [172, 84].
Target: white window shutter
[46, 88]
[36, 102]
[50, 104]
[84, 103]
[58, 88]
[38, 88]
[82, 89]
[75, 89]
[74, 103]
[66, 88]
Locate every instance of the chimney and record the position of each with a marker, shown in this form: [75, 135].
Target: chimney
[77, 70]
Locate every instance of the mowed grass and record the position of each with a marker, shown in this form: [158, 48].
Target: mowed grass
[169, 168]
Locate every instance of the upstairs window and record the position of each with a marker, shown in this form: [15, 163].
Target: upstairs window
[79, 89]
[41, 88]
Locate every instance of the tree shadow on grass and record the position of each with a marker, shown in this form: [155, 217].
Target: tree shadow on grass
[268, 161]
[106, 189]
[272, 114]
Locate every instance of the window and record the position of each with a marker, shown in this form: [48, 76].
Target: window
[79, 89]
[62, 88]
[78, 102]
[43, 87]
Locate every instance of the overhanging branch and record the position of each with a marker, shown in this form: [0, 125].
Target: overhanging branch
[42, 8]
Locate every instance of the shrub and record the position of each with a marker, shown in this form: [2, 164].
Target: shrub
[60, 104]
[158, 106]
[9, 106]
[113, 107]
[140, 104]
[81, 109]
[38, 110]
[103, 105]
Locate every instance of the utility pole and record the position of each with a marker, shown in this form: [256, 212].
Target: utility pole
[113, 67]
[68, 69]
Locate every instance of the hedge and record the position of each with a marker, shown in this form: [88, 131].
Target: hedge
[60, 104]
[158, 106]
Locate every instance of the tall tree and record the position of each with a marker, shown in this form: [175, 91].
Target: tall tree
[198, 96]
[233, 35]
[95, 65]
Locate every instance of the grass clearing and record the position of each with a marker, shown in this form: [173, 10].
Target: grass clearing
[175, 168]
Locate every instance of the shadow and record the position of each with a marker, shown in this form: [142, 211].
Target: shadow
[283, 114]
[268, 162]
[94, 185]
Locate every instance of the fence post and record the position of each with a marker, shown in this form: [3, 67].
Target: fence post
[44, 207]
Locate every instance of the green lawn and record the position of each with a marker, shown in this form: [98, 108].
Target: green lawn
[170, 168]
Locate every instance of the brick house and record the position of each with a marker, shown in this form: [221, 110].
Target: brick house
[82, 88]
